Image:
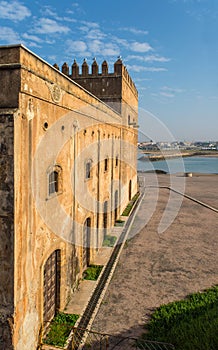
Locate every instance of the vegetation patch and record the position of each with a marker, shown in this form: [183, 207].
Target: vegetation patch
[189, 324]
[60, 329]
[130, 205]
[92, 272]
[109, 241]
[119, 222]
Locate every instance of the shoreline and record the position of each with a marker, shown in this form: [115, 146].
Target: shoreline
[161, 156]
[162, 172]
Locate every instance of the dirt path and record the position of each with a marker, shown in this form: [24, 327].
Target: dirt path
[156, 269]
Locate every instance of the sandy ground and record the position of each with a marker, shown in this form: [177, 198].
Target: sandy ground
[154, 268]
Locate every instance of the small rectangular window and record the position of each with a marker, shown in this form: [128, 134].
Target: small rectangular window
[106, 164]
[116, 161]
[88, 170]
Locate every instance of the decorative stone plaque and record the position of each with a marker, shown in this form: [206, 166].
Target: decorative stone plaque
[56, 92]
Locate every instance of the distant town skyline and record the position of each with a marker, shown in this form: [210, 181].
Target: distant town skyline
[169, 47]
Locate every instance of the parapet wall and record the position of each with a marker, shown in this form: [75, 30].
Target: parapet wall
[119, 71]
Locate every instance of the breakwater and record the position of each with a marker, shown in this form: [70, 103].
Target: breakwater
[171, 155]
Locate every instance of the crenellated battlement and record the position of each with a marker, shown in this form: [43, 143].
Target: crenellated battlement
[78, 73]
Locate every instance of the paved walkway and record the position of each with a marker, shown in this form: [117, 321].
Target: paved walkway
[81, 296]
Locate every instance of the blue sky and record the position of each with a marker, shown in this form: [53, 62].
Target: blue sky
[170, 48]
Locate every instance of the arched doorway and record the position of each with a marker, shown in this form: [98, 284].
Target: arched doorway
[105, 218]
[51, 285]
[130, 190]
[86, 242]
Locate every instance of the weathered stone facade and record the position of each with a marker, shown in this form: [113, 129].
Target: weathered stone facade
[68, 169]
[6, 230]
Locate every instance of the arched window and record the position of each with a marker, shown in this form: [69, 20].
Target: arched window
[54, 180]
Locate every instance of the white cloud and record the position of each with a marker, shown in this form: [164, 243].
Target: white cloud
[95, 34]
[52, 58]
[120, 41]
[67, 19]
[140, 47]
[92, 48]
[142, 88]
[167, 94]
[76, 46]
[141, 79]
[48, 11]
[32, 38]
[110, 49]
[9, 36]
[33, 44]
[171, 90]
[13, 10]
[134, 30]
[90, 24]
[49, 26]
[138, 68]
[95, 46]
[150, 58]
[91, 30]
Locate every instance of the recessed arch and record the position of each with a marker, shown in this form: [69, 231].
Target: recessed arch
[130, 190]
[86, 242]
[116, 205]
[105, 218]
[51, 285]
[54, 173]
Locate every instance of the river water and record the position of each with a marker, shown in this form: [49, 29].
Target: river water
[208, 165]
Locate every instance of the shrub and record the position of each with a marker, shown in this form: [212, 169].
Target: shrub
[109, 241]
[60, 329]
[92, 272]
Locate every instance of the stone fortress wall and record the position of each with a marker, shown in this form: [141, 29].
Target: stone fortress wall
[68, 169]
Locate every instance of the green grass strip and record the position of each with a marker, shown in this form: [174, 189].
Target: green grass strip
[130, 205]
[109, 241]
[60, 329]
[189, 324]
